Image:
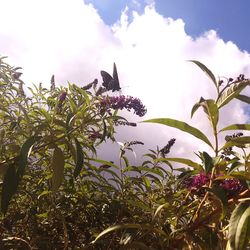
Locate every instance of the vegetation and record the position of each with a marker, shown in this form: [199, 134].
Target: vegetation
[57, 194]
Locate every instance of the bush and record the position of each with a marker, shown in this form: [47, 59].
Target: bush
[57, 194]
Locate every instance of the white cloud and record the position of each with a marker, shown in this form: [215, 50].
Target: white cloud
[68, 38]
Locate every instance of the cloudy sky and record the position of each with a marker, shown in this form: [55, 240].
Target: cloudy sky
[150, 41]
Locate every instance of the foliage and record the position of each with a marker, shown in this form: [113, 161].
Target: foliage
[57, 194]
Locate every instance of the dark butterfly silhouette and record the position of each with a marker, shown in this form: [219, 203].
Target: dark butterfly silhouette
[109, 82]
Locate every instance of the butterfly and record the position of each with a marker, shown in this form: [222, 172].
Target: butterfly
[109, 82]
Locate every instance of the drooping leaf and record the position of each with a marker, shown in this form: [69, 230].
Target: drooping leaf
[236, 127]
[239, 226]
[206, 70]
[9, 188]
[57, 166]
[211, 110]
[232, 92]
[181, 126]
[244, 98]
[196, 106]
[79, 158]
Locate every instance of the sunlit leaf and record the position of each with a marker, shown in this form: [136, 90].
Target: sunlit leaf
[239, 226]
[181, 126]
[231, 92]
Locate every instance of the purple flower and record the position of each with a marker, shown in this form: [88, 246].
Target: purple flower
[232, 187]
[198, 181]
[123, 102]
[62, 97]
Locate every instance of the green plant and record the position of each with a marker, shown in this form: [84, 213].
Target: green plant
[57, 194]
[196, 213]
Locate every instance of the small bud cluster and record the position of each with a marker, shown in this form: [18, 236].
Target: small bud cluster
[228, 151]
[135, 143]
[123, 102]
[62, 97]
[125, 123]
[165, 150]
[95, 135]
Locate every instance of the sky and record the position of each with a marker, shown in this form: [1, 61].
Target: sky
[150, 41]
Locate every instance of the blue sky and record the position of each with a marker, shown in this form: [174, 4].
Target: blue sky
[230, 18]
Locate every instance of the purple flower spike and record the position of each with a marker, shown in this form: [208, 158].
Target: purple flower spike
[123, 102]
[62, 97]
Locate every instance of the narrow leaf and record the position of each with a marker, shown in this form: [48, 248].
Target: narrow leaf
[186, 162]
[57, 166]
[182, 126]
[10, 183]
[244, 98]
[236, 127]
[206, 70]
[79, 158]
[24, 152]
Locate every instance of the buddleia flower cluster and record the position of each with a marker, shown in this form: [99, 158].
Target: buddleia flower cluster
[231, 186]
[165, 150]
[121, 102]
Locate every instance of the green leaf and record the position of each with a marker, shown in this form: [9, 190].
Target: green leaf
[243, 98]
[237, 141]
[210, 108]
[165, 205]
[231, 92]
[239, 226]
[206, 70]
[24, 153]
[79, 159]
[10, 183]
[184, 161]
[181, 126]
[208, 162]
[196, 106]
[57, 166]
[104, 162]
[236, 127]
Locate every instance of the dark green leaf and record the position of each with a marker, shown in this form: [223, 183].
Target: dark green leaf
[57, 166]
[79, 159]
[244, 98]
[10, 183]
